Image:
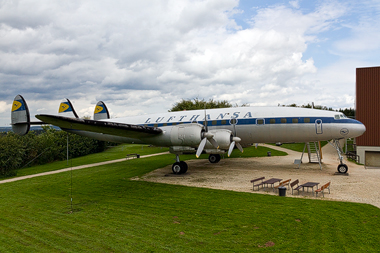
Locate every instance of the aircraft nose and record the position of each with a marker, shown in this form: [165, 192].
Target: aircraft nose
[358, 129]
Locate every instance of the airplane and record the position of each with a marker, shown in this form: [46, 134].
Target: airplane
[212, 131]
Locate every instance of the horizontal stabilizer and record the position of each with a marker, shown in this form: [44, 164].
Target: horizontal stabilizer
[101, 111]
[66, 109]
[105, 127]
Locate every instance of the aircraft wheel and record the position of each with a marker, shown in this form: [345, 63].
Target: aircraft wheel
[342, 168]
[179, 167]
[214, 158]
[183, 166]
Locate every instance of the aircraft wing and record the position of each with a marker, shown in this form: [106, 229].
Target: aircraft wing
[105, 127]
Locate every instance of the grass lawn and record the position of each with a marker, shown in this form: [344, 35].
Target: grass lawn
[298, 146]
[112, 213]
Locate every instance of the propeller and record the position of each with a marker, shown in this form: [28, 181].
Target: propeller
[206, 136]
[234, 140]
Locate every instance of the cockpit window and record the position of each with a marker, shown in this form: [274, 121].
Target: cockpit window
[340, 116]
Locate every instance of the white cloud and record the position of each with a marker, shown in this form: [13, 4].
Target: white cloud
[143, 56]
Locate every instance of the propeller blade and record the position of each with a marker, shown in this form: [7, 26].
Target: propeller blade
[214, 143]
[232, 145]
[239, 147]
[206, 120]
[201, 147]
[210, 138]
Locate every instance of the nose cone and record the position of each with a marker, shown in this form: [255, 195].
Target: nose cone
[357, 129]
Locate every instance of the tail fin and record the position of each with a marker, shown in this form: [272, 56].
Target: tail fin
[20, 116]
[101, 111]
[67, 109]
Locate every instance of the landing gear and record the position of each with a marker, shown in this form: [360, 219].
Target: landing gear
[342, 168]
[179, 167]
[214, 158]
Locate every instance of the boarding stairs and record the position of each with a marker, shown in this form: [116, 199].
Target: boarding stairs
[313, 151]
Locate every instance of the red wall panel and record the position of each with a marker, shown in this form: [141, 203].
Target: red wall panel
[368, 105]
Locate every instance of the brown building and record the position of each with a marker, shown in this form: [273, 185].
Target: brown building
[368, 112]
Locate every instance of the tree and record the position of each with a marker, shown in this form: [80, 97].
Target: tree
[197, 104]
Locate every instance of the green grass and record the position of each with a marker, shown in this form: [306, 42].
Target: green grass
[298, 146]
[112, 153]
[111, 213]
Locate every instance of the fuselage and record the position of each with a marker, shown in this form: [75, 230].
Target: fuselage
[250, 124]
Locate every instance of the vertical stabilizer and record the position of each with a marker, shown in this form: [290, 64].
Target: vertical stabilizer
[101, 111]
[66, 109]
[20, 116]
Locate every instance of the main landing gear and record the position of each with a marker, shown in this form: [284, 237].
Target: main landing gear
[214, 158]
[342, 168]
[180, 167]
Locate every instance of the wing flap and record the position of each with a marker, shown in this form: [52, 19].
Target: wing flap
[105, 127]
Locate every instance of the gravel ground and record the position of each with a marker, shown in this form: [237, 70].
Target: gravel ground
[360, 185]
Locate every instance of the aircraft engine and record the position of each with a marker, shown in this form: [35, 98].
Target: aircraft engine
[186, 135]
[223, 137]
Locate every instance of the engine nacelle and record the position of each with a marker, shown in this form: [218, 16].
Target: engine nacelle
[189, 135]
[222, 137]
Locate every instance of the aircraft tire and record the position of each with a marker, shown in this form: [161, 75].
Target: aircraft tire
[214, 158]
[179, 167]
[342, 168]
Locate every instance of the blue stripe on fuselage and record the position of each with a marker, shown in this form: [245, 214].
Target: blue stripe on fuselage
[267, 121]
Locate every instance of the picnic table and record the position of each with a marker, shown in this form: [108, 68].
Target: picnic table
[309, 185]
[271, 181]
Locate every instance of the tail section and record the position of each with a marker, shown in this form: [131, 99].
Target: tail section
[66, 109]
[20, 116]
[101, 111]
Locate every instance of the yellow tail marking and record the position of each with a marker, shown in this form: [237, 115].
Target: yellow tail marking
[63, 107]
[98, 109]
[16, 105]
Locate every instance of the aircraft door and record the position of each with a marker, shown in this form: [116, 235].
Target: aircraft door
[318, 126]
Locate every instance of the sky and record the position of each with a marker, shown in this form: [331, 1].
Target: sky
[142, 57]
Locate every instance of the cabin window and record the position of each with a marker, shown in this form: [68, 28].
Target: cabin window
[174, 123]
[306, 120]
[155, 125]
[233, 121]
[260, 121]
[283, 120]
[272, 121]
[294, 120]
[165, 124]
[194, 121]
[213, 122]
[224, 122]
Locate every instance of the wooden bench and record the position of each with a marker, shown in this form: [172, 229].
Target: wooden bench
[295, 186]
[258, 184]
[130, 156]
[323, 187]
[286, 182]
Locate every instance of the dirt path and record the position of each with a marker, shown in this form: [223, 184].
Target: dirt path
[235, 174]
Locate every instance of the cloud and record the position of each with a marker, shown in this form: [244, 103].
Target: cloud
[143, 56]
